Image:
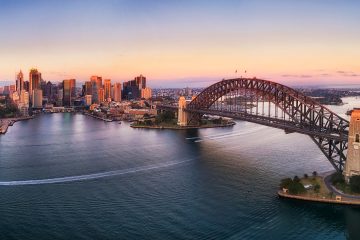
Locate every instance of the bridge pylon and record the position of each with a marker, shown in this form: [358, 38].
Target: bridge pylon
[186, 118]
[352, 165]
[182, 114]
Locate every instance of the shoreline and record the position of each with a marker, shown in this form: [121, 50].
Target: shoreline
[184, 128]
[336, 196]
[5, 123]
[321, 200]
[97, 117]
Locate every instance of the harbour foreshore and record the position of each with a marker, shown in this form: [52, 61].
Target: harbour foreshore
[322, 200]
[6, 122]
[333, 195]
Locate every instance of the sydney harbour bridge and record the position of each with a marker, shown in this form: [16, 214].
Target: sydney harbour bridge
[272, 104]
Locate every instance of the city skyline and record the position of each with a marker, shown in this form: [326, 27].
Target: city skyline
[184, 43]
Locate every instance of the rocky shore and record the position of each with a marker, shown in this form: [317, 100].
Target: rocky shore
[5, 123]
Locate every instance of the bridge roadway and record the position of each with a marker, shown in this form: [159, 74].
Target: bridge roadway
[268, 121]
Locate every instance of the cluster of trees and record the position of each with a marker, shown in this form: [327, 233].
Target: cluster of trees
[338, 179]
[166, 116]
[293, 185]
[355, 184]
[9, 110]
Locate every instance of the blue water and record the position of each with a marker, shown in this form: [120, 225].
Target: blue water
[69, 176]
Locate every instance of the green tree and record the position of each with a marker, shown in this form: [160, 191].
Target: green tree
[337, 178]
[296, 179]
[296, 188]
[317, 188]
[306, 176]
[285, 183]
[166, 116]
[355, 184]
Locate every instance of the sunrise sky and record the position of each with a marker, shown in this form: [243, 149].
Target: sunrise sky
[177, 43]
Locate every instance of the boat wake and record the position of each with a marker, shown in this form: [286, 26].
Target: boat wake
[225, 135]
[91, 176]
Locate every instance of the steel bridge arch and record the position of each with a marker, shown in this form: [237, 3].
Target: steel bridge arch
[328, 130]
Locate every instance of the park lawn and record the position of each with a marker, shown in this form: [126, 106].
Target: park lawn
[323, 191]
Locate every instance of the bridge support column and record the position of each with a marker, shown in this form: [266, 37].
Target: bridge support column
[352, 165]
[182, 114]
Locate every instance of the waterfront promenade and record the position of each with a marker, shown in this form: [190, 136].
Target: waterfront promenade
[6, 122]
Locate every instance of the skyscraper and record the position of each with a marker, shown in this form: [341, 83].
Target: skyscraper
[132, 89]
[34, 79]
[69, 92]
[19, 82]
[37, 98]
[141, 82]
[117, 92]
[88, 88]
[96, 84]
[107, 88]
[101, 95]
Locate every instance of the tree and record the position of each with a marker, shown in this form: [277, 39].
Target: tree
[285, 183]
[296, 179]
[306, 176]
[337, 178]
[296, 188]
[355, 184]
[314, 174]
[317, 188]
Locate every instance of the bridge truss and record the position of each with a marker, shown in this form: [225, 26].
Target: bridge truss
[275, 105]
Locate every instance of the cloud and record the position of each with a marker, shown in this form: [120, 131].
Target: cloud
[347, 73]
[296, 76]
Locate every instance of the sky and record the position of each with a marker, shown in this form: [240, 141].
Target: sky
[182, 43]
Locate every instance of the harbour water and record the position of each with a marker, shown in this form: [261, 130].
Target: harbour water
[70, 176]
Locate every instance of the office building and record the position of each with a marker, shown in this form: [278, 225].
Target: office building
[107, 88]
[69, 92]
[87, 100]
[146, 93]
[88, 88]
[117, 92]
[37, 98]
[19, 82]
[34, 80]
[96, 84]
[132, 89]
[101, 95]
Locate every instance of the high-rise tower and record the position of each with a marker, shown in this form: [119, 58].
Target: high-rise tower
[69, 92]
[107, 88]
[34, 80]
[19, 82]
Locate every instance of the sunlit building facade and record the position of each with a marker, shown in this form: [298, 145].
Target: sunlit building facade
[37, 98]
[96, 84]
[34, 80]
[19, 82]
[107, 88]
[69, 92]
[117, 92]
